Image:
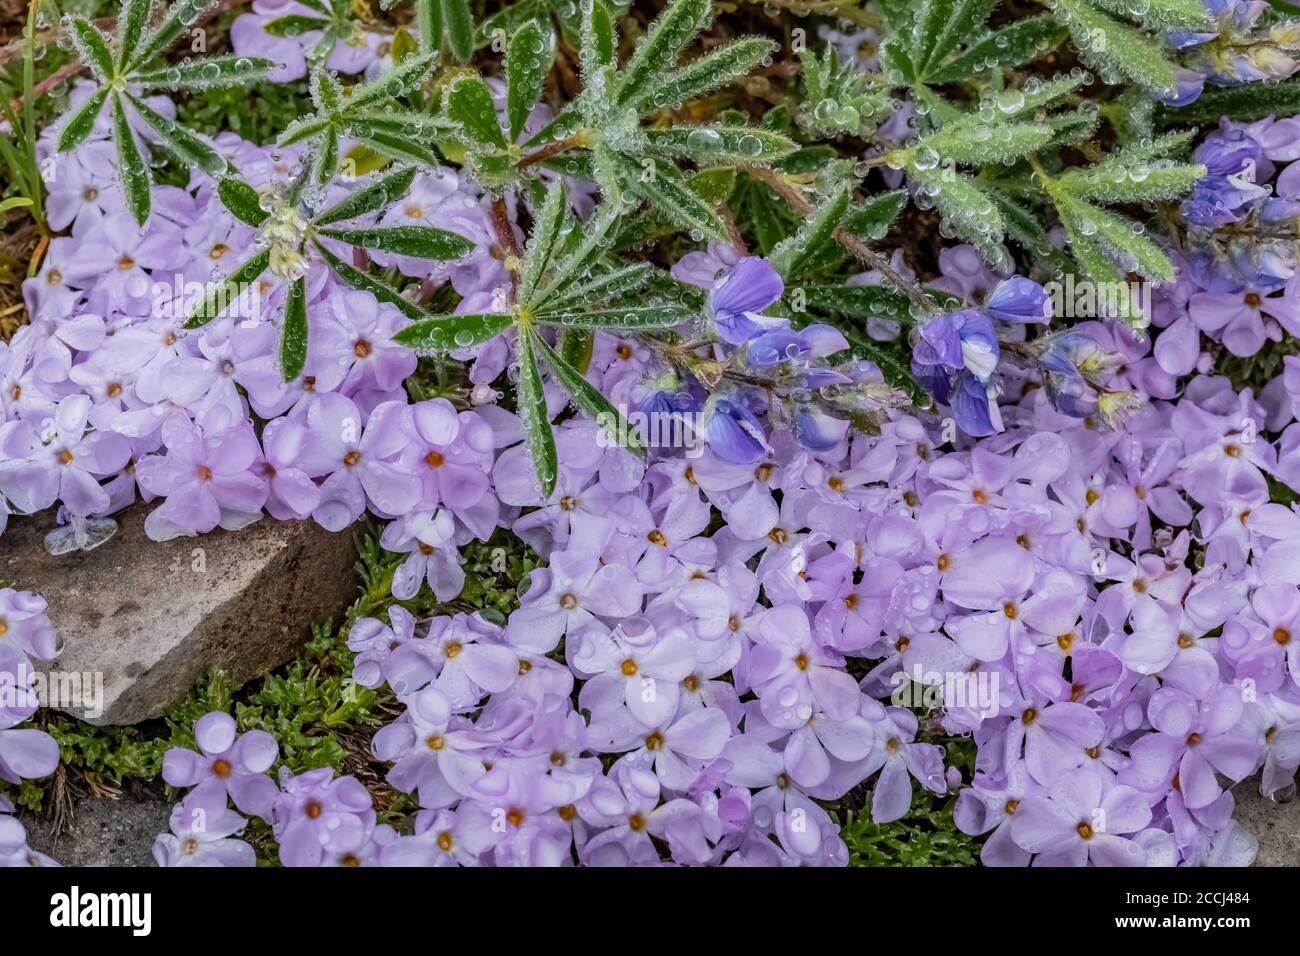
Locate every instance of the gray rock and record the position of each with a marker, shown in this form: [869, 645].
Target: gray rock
[1276, 825]
[112, 832]
[142, 620]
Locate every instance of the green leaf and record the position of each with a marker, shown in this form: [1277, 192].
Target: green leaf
[967, 211]
[541, 244]
[366, 283]
[528, 61]
[398, 123]
[858, 301]
[1131, 251]
[428, 23]
[135, 14]
[92, 48]
[130, 165]
[958, 29]
[596, 43]
[187, 148]
[1137, 183]
[1245, 103]
[326, 161]
[459, 21]
[732, 145]
[660, 184]
[591, 242]
[293, 337]
[468, 101]
[294, 25]
[632, 319]
[403, 79]
[793, 256]
[1172, 14]
[1018, 42]
[576, 347]
[82, 121]
[445, 333]
[305, 128]
[671, 31]
[618, 282]
[587, 398]
[706, 74]
[421, 242]
[531, 405]
[207, 74]
[871, 220]
[243, 201]
[399, 148]
[981, 145]
[377, 195]
[219, 295]
[1104, 41]
[179, 16]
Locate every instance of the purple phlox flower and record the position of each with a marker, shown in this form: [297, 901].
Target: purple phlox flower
[373, 642]
[1082, 820]
[566, 596]
[317, 814]
[737, 301]
[435, 755]
[59, 461]
[205, 479]
[360, 464]
[357, 330]
[1193, 741]
[202, 833]
[794, 675]
[452, 454]
[898, 756]
[991, 803]
[461, 655]
[677, 748]
[636, 665]
[231, 764]
[290, 491]
[429, 537]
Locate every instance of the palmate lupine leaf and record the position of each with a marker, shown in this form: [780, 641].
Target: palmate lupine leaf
[293, 338]
[219, 295]
[468, 102]
[663, 187]
[858, 301]
[980, 144]
[207, 74]
[436, 19]
[1172, 14]
[366, 115]
[547, 226]
[838, 98]
[243, 201]
[119, 76]
[383, 191]
[368, 283]
[420, 242]
[870, 220]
